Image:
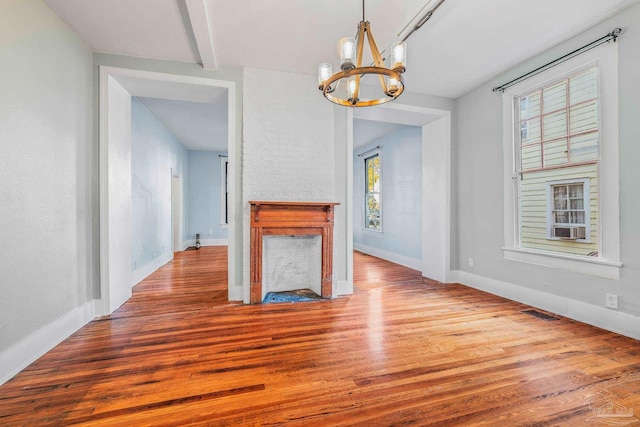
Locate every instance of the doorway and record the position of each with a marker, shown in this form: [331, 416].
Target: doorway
[436, 181]
[117, 86]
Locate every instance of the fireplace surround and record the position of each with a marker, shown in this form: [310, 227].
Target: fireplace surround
[279, 218]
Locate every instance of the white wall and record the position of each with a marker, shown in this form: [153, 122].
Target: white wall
[480, 198]
[401, 183]
[116, 224]
[156, 155]
[205, 215]
[47, 256]
[288, 151]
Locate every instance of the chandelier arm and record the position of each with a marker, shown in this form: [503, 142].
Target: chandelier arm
[362, 28]
[377, 57]
[383, 84]
[375, 52]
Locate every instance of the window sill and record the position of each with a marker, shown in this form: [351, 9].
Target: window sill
[372, 230]
[560, 239]
[585, 265]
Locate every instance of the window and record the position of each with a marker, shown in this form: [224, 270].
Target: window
[373, 200]
[568, 208]
[558, 153]
[561, 167]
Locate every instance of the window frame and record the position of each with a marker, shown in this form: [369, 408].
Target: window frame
[607, 263]
[370, 155]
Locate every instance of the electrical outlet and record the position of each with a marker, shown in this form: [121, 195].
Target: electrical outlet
[470, 262]
[612, 301]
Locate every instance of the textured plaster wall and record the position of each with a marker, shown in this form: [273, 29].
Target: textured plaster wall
[288, 145]
[47, 267]
[204, 196]
[155, 155]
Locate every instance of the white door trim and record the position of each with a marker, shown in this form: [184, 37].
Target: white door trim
[108, 222]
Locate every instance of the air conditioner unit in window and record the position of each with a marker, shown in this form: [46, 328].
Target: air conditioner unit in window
[569, 233]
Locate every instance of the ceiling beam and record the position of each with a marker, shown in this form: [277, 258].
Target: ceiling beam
[201, 25]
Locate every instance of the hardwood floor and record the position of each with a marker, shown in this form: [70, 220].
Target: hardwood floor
[402, 350]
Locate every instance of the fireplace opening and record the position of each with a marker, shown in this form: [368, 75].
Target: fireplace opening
[292, 263]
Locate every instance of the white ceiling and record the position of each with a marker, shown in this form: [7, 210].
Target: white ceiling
[366, 131]
[198, 126]
[195, 114]
[465, 43]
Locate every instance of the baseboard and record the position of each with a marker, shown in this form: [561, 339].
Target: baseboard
[344, 287]
[406, 261]
[235, 293]
[19, 356]
[208, 242]
[143, 272]
[611, 320]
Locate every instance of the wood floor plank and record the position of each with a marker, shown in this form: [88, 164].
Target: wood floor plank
[402, 350]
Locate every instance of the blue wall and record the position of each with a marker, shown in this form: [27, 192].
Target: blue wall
[204, 196]
[155, 153]
[401, 170]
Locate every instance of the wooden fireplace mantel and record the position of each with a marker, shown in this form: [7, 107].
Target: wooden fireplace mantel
[293, 219]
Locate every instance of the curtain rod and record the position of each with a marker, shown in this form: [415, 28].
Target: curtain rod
[613, 35]
[377, 147]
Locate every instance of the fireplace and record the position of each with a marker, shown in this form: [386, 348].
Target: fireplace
[291, 219]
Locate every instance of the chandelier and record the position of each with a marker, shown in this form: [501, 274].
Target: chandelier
[343, 87]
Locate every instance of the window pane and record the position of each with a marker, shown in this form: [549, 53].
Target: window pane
[531, 157]
[562, 217]
[584, 86]
[373, 173]
[530, 106]
[575, 190]
[555, 125]
[555, 97]
[373, 211]
[555, 153]
[584, 148]
[530, 131]
[576, 217]
[576, 204]
[559, 192]
[560, 204]
[584, 117]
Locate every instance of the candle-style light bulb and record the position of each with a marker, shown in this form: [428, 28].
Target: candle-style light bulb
[324, 72]
[399, 57]
[392, 85]
[347, 48]
[351, 89]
